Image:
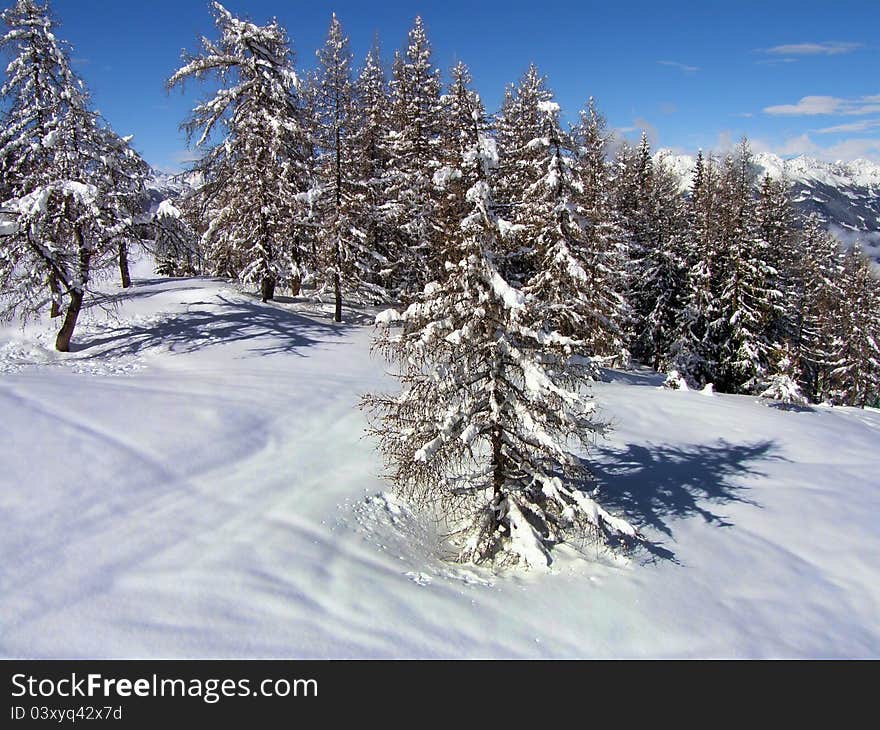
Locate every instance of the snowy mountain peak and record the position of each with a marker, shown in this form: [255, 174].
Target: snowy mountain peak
[802, 169]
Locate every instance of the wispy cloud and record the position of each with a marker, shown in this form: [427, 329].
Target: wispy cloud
[862, 126]
[775, 61]
[680, 66]
[814, 105]
[823, 48]
[183, 157]
[847, 149]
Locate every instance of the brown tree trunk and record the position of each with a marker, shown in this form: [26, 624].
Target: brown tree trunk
[497, 476]
[267, 288]
[55, 288]
[337, 287]
[62, 342]
[296, 285]
[123, 266]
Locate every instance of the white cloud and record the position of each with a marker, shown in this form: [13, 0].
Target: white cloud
[863, 126]
[681, 66]
[814, 105]
[846, 150]
[824, 48]
[808, 105]
[183, 157]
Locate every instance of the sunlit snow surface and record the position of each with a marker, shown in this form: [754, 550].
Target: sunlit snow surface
[194, 480]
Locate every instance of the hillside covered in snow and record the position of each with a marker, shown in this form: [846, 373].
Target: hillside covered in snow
[211, 492]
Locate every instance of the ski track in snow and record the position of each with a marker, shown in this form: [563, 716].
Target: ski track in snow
[193, 480]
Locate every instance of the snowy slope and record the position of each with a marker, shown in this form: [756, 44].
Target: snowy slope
[845, 194]
[193, 480]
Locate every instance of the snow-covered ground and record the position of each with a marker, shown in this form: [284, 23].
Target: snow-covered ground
[193, 480]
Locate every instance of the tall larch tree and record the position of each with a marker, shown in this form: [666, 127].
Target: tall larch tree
[413, 148]
[51, 149]
[340, 243]
[370, 157]
[519, 122]
[257, 172]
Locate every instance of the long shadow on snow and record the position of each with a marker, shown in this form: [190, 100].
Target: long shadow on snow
[281, 330]
[652, 484]
[143, 289]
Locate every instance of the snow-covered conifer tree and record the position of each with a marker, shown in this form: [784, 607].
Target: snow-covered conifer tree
[369, 137]
[463, 113]
[53, 153]
[343, 247]
[412, 146]
[571, 277]
[694, 351]
[123, 174]
[855, 349]
[519, 164]
[492, 403]
[748, 304]
[662, 273]
[257, 174]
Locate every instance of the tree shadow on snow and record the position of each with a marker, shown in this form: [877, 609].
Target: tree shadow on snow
[272, 330]
[643, 377]
[655, 483]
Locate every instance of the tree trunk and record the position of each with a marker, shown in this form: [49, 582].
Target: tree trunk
[337, 289]
[267, 288]
[123, 266]
[55, 288]
[62, 342]
[296, 285]
[497, 478]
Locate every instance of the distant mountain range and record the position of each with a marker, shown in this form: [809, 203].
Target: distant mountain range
[845, 194]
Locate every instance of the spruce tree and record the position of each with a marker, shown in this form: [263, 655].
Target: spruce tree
[694, 353]
[604, 250]
[518, 124]
[855, 348]
[748, 304]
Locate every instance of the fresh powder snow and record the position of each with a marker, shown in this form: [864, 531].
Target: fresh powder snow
[193, 480]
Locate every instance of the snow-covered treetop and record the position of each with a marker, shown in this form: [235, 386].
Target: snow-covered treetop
[255, 58]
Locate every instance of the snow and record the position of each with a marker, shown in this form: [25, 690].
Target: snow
[512, 298]
[387, 317]
[168, 209]
[211, 493]
[548, 107]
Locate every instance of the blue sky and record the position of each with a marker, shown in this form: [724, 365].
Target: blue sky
[796, 77]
